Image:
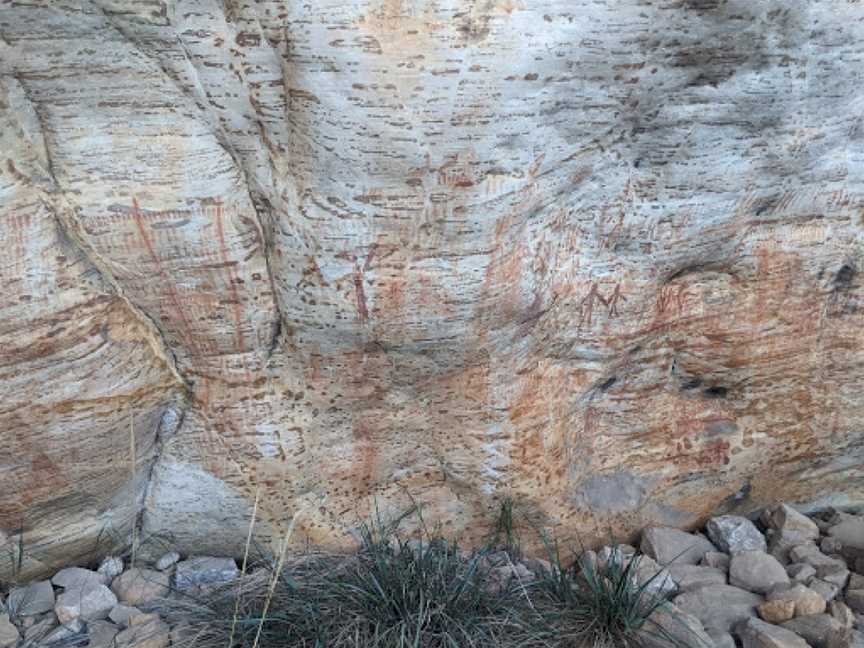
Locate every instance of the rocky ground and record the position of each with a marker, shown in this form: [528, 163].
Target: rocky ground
[781, 580]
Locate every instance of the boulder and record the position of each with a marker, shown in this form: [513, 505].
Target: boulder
[850, 534]
[784, 518]
[733, 533]
[817, 629]
[758, 634]
[800, 572]
[777, 611]
[689, 577]
[671, 627]
[205, 570]
[78, 577]
[826, 590]
[756, 571]
[152, 634]
[66, 633]
[110, 568]
[120, 614]
[32, 599]
[716, 559]
[167, 560]
[842, 613]
[855, 600]
[719, 607]
[137, 586]
[88, 601]
[9, 634]
[667, 545]
[807, 601]
[40, 629]
[101, 634]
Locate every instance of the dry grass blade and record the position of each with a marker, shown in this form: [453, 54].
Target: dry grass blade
[243, 568]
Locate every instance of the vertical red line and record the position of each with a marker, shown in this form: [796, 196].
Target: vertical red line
[168, 283]
[232, 284]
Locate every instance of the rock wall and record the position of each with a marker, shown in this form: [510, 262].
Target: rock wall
[601, 257]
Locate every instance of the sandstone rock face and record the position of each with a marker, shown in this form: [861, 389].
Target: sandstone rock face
[605, 258]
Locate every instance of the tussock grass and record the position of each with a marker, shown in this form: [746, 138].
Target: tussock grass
[425, 592]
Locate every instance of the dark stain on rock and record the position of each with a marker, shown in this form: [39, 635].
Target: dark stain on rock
[716, 391]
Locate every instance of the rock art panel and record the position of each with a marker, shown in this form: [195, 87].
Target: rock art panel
[602, 258]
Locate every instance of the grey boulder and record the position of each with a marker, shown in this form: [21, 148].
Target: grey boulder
[756, 571]
[667, 545]
[732, 533]
[758, 634]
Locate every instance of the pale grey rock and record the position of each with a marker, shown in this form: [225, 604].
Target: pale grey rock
[671, 627]
[817, 629]
[826, 590]
[850, 534]
[167, 560]
[758, 634]
[120, 614]
[40, 629]
[811, 555]
[719, 607]
[655, 579]
[205, 570]
[666, 545]
[65, 632]
[32, 599]
[780, 543]
[830, 545]
[88, 601]
[78, 577]
[101, 634]
[110, 568]
[801, 572]
[855, 599]
[833, 574]
[733, 533]
[137, 586]
[784, 518]
[856, 581]
[756, 571]
[716, 559]
[689, 577]
[842, 613]
[9, 634]
[722, 640]
[152, 634]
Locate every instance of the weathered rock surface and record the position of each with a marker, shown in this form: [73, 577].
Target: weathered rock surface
[733, 533]
[756, 571]
[89, 602]
[337, 251]
[9, 634]
[719, 607]
[136, 586]
[205, 570]
[758, 634]
[667, 545]
[31, 599]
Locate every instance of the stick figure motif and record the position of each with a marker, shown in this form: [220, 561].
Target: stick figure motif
[586, 306]
[613, 299]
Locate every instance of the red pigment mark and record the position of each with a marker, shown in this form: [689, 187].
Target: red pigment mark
[232, 281]
[670, 294]
[360, 294]
[586, 306]
[168, 283]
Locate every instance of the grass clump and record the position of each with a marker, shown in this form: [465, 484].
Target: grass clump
[393, 593]
[396, 592]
